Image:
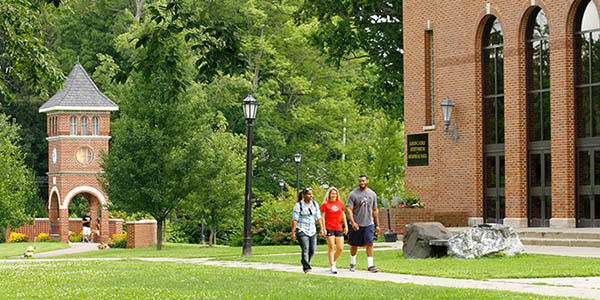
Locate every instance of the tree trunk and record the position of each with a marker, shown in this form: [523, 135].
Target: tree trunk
[159, 232]
[138, 9]
[211, 238]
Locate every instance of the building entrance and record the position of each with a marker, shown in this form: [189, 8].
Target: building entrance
[540, 188]
[494, 200]
[588, 187]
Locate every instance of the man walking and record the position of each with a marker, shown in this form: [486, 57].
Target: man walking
[364, 217]
[86, 227]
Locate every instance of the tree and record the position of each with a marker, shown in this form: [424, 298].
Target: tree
[158, 136]
[24, 57]
[220, 182]
[17, 185]
[370, 30]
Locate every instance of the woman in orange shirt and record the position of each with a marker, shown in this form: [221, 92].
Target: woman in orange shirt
[332, 212]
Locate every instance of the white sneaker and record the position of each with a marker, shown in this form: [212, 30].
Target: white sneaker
[333, 270]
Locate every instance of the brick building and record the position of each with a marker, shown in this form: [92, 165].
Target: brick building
[78, 128]
[523, 143]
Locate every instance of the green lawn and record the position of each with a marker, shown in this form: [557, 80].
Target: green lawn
[17, 249]
[523, 266]
[129, 279]
[188, 251]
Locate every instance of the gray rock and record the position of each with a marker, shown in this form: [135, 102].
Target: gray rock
[417, 237]
[485, 239]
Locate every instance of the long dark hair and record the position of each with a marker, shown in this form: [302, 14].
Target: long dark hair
[303, 192]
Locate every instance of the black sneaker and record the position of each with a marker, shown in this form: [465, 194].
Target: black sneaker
[373, 269]
[352, 268]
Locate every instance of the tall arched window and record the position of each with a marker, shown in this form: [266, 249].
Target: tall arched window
[587, 111]
[538, 120]
[84, 126]
[95, 126]
[493, 122]
[73, 127]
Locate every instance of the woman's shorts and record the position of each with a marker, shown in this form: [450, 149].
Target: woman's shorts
[361, 237]
[335, 232]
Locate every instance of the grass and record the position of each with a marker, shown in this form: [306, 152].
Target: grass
[130, 279]
[522, 266]
[8, 250]
[188, 251]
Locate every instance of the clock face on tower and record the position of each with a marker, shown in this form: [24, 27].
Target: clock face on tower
[54, 156]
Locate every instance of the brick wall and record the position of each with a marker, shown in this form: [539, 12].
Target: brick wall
[141, 233]
[400, 217]
[452, 218]
[75, 225]
[454, 176]
[32, 231]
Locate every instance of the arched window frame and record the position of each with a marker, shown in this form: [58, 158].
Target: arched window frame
[538, 77]
[73, 126]
[95, 126]
[494, 202]
[84, 126]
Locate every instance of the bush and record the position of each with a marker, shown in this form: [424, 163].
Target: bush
[118, 240]
[17, 237]
[75, 238]
[43, 237]
[272, 221]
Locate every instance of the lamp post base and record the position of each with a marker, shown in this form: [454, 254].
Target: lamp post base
[246, 247]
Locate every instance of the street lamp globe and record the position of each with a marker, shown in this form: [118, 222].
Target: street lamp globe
[281, 183]
[250, 106]
[297, 157]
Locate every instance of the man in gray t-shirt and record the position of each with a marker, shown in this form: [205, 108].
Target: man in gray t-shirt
[364, 217]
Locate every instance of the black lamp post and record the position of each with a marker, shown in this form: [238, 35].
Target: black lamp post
[249, 106]
[297, 158]
[281, 184]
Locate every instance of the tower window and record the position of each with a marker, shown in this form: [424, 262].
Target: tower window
[95, 126]
[73, 128]
[84, 126]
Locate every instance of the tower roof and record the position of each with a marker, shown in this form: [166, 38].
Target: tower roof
[79, 93]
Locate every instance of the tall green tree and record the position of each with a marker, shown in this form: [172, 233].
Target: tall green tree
[23, 55]
[157, 138]
[17, 185]
[219, 182]
[364, 29]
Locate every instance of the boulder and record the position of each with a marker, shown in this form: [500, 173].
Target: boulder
[485, 239]
[417, 237]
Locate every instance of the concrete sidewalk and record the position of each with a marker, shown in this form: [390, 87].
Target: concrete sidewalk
[579, 287]
[588, 288]
[73, 248]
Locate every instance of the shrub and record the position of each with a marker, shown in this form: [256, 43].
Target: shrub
[118, 240]
[272, 221]
[75, 238]
[43, 237]
[17, 237]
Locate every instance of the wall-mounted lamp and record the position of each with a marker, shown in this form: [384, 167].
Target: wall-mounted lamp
[447, 109]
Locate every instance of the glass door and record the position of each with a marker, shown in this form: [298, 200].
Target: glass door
[540, 189]
[588, 188]
[494, 203]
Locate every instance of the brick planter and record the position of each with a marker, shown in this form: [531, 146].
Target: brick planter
[141, 233]
[399, 217]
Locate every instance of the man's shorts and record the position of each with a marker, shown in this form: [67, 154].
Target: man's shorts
[361, 237]
[86, 231]
[335, 232]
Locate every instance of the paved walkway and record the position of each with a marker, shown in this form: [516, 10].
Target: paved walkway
[73, 248]
[580, 287]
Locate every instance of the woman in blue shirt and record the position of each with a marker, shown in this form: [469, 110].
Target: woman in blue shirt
[306, 213]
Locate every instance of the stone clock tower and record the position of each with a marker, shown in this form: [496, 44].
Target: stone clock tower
[78, 128]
